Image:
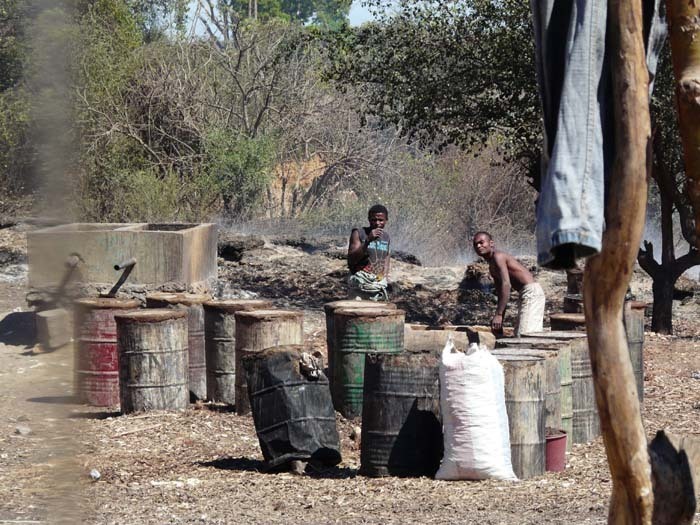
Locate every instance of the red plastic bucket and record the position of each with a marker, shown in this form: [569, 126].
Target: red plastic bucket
[555, 451]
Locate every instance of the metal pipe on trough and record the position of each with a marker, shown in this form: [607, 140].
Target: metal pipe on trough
[129, 263]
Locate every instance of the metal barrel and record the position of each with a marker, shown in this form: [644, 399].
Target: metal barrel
[220, 345]
[433, 340]
[197, 373]
[586, 422]
[358, 332]
[153, 360]
[524, 387]
[563, 348]
[401, 427]
[573, 304]
[96, 357]
[567, 321]
[552, 393]
[291, 408]
[329, 309]
[259, 330]
[634, 329]
[583, 407]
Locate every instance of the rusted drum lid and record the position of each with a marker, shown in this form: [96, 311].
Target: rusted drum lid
[557, 334]
[176, 298]
[350, 303]
[523, 352]
[368, 312]
[270, 314]
[153, 315]
[111, 303]
[510, 358]
[531, 342]
[569, 318]
[237, 305]
[163, 297]
[416, 327]
[637, 305]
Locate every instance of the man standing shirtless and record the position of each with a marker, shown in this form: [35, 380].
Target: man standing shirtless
[507, 273]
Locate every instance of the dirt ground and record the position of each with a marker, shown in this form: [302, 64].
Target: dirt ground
[205, 465]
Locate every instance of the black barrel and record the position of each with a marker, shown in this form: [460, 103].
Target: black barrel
[292, 409]
[401, 428]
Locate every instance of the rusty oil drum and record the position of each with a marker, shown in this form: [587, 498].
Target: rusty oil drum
[96, 358]
[192, 303]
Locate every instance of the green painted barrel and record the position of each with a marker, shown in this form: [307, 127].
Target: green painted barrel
[360, 331]
[329, 309]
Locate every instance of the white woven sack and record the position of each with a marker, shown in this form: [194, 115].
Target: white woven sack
[472, 401]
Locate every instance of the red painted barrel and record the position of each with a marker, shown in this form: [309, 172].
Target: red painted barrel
[96, 358]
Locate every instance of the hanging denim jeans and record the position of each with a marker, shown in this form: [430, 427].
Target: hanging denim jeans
[576, 92]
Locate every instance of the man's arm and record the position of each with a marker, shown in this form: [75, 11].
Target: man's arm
[356, 249]
[502, 279]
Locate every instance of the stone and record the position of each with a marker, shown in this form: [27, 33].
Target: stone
[232, 247]
[23, 430]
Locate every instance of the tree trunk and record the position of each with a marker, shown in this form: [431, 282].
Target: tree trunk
[662, 315]
[607, 275]
[684, 31]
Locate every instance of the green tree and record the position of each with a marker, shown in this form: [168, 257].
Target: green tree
[240, 168]
[446, 72]
[15, 151]
[321, 12]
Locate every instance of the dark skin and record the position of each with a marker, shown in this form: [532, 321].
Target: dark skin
[507, 273]
[357, 249]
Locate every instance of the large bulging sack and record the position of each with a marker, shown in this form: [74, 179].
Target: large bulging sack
[472, 402]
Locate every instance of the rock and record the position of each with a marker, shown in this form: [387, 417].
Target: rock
[355, 434]
[23, 430]
[95, 474]
[406, 257]
[232, 247]
[297, 467]
[695, 375]
[311, 245]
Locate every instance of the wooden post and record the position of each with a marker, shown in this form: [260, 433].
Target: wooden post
[607, 275]
[684, 36]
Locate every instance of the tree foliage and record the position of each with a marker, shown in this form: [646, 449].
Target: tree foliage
[328, 13]
[15, 153]
[445, 71]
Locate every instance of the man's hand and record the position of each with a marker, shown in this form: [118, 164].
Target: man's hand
[375, 234]
[497, 323]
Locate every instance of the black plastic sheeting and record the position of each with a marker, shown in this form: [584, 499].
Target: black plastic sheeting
[292, 411]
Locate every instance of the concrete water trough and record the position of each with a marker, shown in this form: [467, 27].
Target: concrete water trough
[180, 254]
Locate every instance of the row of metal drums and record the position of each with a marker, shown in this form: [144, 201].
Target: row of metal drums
[393, 382]
[394, 385]
[182, 348]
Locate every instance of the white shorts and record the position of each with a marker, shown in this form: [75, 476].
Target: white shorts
[530, 309]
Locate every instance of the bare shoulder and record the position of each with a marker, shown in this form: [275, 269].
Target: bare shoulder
[354, 237]
[502, 257]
